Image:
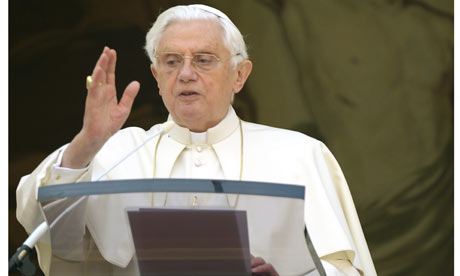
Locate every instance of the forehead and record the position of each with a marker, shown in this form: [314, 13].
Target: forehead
[193, 36]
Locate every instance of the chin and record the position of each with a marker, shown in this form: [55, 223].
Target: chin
[190, 114]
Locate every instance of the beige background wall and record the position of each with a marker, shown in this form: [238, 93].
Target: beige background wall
[372, 79]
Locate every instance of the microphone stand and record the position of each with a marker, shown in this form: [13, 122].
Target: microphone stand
[21, 262]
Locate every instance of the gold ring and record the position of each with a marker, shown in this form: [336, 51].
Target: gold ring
[89, 80]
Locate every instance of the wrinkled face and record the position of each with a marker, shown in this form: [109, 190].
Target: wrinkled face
[195, 99]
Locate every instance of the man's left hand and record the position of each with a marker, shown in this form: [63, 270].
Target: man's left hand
[261, 268]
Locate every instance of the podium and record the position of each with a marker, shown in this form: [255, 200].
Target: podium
[136, 227]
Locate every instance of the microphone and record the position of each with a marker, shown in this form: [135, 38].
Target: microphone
[20, 259]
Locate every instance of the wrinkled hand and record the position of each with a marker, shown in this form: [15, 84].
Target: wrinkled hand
[261, 268]
[104, 114]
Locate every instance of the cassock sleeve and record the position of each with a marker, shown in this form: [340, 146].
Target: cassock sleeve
[337, 189]
[29, 212]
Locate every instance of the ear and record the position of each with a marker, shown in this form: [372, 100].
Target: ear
[154, 72]
[243, 71]
[155, 75]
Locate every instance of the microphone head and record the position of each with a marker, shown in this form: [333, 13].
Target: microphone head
[167, 126]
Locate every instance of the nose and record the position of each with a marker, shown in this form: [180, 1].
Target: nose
[187, 71]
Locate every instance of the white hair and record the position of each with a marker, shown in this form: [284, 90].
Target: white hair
[232, 37]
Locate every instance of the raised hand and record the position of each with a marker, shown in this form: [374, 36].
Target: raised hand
[104, 114]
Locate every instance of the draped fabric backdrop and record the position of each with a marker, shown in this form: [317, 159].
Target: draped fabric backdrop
[372, 79]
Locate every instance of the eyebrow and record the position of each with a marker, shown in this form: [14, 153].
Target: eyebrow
[193, 53]
[208, 50]
[205, 52]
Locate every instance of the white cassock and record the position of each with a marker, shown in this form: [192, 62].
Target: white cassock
[226, 151]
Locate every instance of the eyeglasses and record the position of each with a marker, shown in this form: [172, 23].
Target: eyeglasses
[170, 61]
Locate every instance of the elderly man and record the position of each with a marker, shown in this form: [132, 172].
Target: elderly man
[199, 60]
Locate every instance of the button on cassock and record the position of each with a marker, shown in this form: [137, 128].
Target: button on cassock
[198, 163]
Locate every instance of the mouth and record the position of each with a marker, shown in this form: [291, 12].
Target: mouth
[188, 94]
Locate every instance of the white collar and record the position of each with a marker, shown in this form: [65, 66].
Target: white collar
[212, 136]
